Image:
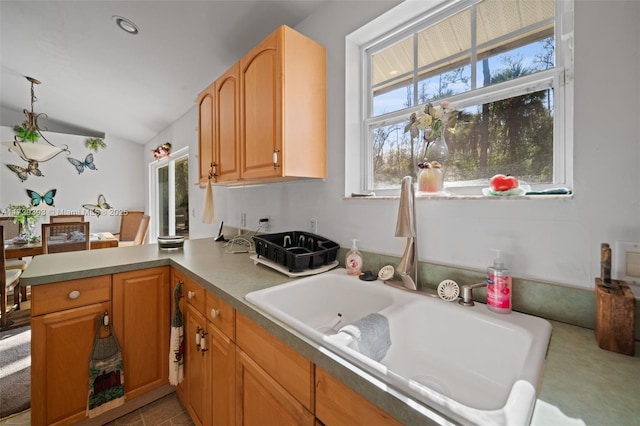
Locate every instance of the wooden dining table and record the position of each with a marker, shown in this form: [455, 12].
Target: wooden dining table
[99, 240]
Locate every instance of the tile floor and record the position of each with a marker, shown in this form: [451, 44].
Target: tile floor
[166, 411]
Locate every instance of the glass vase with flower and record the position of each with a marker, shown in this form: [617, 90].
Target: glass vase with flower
[430, 125]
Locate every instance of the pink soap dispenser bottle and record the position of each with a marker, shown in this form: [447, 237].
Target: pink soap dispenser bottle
[499, 287]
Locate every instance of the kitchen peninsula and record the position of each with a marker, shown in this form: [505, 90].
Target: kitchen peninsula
[119, 279]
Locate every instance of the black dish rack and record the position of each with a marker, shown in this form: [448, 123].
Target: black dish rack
[296, 250]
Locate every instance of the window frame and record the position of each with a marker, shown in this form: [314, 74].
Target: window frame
[394, 26]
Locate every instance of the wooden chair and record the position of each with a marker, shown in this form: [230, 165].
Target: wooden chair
[129, 225]
[66, 218]
[9, 280]
[12, 230]
[65, 236]
[141, 233]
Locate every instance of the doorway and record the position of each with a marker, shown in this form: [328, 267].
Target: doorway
[170, 196]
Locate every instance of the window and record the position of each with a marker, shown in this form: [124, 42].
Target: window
[170, 196]
[504, 65]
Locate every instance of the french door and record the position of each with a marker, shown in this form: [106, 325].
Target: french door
[169, 195]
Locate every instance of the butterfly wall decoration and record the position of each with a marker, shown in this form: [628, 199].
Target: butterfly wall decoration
[100, 208]
[80, 165]
[22, 173]
[36, 198]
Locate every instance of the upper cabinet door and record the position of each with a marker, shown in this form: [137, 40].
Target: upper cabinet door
[206, 102]
[270, 114]
[227, 126]
[261, 102]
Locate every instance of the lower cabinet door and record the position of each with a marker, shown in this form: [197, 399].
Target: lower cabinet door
[61, 344]
[223, 384]
[141, 323]
[336, 404]
[260, 400]
[196, 367]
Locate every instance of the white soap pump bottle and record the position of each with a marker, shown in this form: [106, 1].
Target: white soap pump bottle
[499, 287]
[353, 261]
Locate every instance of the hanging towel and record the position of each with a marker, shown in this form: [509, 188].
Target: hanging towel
[208, 215]
[371, 335]
[106, 375]
[176, 343]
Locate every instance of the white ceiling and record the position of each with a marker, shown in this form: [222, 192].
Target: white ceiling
[97, 77]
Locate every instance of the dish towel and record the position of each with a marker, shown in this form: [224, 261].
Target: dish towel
[371, 335]
[106, 375]
[176, 342]
[208, 214]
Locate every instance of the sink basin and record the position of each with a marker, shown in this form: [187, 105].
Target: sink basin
[469, 364]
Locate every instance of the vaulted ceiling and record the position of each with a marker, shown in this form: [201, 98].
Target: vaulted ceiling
[96, 78]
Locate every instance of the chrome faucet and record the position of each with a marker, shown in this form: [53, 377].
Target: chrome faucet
[406, 228]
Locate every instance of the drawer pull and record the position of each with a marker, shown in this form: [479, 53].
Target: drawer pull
[215, 313]
[74, 295]
[191, 295]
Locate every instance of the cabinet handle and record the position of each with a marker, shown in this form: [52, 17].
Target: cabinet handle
[214, 313]
[213, 171]
[191, 295]
[203, 341]
[74, 295]
[203, 344]
[198, 337]
[275, 158]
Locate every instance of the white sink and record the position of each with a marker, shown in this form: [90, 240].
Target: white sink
[472, 365]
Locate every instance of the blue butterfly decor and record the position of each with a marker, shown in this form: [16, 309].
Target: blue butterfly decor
[36, 198]
[80, 165]
[100, 208]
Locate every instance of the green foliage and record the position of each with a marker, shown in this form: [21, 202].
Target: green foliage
[95, 400]
[25, 134]
[23, 214]
[95, 144]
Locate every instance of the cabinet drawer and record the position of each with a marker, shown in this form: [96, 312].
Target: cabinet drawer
[221, 315]
[64, 295]
[293, 371]
[194, 295]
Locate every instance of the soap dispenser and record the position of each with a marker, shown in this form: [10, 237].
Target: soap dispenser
[353, 261]
[499, 286]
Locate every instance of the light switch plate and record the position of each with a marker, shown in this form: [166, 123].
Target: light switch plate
[626, 262]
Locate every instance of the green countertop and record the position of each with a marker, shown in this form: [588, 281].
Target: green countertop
[582, 384]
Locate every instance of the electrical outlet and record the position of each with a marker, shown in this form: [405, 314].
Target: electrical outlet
[243, 220]
[313, 226]
[265, 223]
[626, 262]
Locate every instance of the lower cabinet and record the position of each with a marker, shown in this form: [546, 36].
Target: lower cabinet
[261, 400]
[61, 343]
[64, 316]
[208, 389]
[336, 404]
[141, 323]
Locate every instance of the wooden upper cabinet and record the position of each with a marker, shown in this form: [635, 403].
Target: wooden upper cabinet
[206, 103]
[283, 108]
[226, 156]
[265, 118]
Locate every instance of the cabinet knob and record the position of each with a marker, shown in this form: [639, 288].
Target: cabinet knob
[74, 294]
[191, 295]
[215, 313]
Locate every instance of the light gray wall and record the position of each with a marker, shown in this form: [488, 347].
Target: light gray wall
[118, 176]
[550, 240]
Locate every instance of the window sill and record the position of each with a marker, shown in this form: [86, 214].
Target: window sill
[450, 196]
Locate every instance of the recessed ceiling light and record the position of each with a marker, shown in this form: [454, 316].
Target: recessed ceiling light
[125, 25]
